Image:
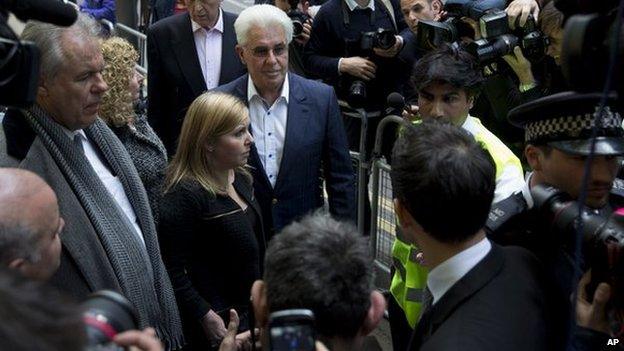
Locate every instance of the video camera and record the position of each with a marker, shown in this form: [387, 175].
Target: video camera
[363, 46]
[19, 60]
[590, 32]
[298, 17]
[603, 238]
[497, 39]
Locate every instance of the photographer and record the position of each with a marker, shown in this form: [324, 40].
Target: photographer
[332, 270]
[557, 136]
[297, 10]
[347, 51]
[545, 77]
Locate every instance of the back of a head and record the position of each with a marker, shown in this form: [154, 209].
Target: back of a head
[36, 317]
[323, 265]
[26, 200]
[451, 65]
[444, 178]
[263, 16]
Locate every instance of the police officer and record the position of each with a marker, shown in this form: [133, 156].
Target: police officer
[558, 141]
[447, 81]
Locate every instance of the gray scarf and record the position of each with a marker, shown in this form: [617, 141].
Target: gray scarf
[139, 268]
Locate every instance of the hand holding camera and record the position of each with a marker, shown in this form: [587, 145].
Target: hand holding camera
[358, 67]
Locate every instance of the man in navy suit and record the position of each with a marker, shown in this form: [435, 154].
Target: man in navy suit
[188, 54]
[296, 125]
[444, 183]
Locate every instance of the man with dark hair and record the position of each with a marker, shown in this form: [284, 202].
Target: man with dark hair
[323, 265]
[444, 182]
[558, 131]
[30, 225]
[447, 81]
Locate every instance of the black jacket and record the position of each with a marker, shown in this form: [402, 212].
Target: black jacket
[175, 77]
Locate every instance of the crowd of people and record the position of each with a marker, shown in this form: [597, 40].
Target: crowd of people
[230, 193]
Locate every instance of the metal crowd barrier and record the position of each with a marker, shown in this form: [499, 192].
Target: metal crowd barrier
[383, 220]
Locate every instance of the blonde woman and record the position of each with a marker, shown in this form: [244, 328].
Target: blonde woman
[210, 223]
[130, 125]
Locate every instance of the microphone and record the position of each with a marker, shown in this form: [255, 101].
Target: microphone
[57, 12]
[396, 104]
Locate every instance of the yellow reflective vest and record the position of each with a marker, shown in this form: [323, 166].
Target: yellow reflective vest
[410, 278]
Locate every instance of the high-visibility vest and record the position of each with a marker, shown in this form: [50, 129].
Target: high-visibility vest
[410, 278]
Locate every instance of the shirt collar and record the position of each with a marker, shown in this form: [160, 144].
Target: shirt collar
[471, 124]
[526, 190]
[353, 5]
[71, 134]
[252, 91]
[446, 274]
[218, 26]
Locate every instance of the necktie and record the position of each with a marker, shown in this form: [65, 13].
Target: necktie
[78, 143]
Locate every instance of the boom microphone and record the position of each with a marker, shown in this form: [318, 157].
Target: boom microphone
[57, 12]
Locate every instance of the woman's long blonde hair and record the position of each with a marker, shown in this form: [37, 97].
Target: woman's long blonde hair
[210, 116]
[117, 107]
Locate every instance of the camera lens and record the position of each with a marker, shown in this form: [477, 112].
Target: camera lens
[385, 39]
[357, 94]
[297, 28]
[107, 313]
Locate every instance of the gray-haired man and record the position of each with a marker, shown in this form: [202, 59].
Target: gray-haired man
[109, 241]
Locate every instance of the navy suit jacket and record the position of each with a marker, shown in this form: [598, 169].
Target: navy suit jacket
[499, 304]
[175, 77]
[315, 141]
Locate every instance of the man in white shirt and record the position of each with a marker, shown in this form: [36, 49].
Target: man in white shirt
[444, 183]
[109, 240]
[188, 53]
[296, 124]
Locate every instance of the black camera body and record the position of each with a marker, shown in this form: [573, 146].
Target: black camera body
[363, 46]
[105, 314]
[602, 238]
[298, 18]
[498, 40]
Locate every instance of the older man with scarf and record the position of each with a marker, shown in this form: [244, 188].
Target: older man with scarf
[109, 241]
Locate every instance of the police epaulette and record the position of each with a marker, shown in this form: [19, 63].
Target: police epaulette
[504, 210]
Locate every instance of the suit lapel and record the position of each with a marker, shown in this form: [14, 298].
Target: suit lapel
[464, 289]
[296, 123]
[183, 43]
[228, 53]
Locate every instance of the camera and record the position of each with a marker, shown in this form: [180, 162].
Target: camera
[497, 38]
[106, 314]
[589, 33]
[499, 41]
[292, 330]
[363, 46]
[298, 18]
[603, 237]
[19, 60]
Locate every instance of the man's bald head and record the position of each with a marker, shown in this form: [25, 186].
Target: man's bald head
[29, 224]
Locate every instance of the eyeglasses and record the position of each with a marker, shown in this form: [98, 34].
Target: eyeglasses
[263, 51]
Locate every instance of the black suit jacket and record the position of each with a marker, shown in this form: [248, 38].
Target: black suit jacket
[497, 305]
[174, 74]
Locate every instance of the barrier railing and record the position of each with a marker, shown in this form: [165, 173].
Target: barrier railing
[383, 221]
[141, 40]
